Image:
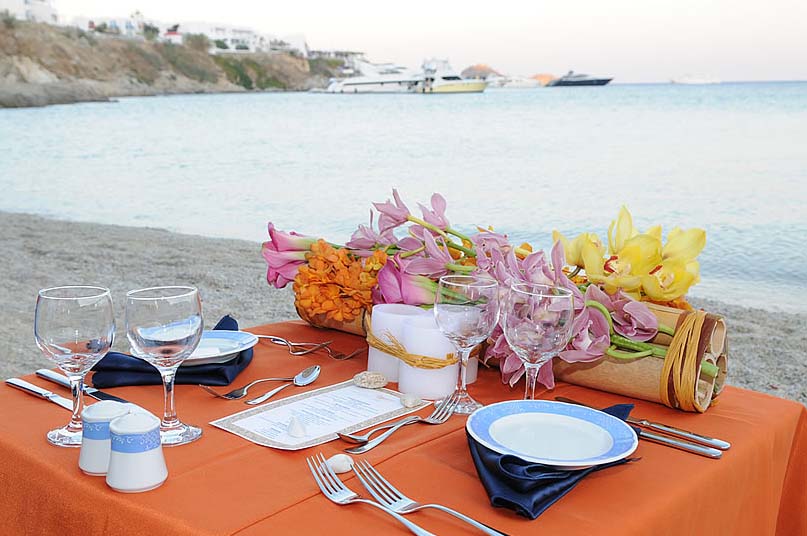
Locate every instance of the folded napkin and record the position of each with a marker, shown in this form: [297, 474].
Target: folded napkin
[117, 369]
[530, 488]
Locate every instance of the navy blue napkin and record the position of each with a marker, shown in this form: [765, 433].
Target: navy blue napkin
[117, 369]
[530, 488]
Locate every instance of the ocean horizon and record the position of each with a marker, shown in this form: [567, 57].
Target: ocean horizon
[727, 157]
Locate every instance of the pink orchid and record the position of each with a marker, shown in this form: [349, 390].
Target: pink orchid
[511, 367]
[396, 286]
[392, 215]
[409, 243]
[434, 263]
[632, 319]
[591, 335]
[284, 254]
[365, 239]
[437, 215]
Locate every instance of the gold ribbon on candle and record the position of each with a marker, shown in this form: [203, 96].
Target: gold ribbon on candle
[395, 348]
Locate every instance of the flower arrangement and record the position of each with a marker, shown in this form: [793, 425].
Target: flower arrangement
[376, 265]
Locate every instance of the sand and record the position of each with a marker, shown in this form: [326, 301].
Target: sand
[767, 348]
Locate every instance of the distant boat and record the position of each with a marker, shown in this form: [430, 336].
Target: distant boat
[695, 80]
[439, 77]
[436, 76]
[575, 79]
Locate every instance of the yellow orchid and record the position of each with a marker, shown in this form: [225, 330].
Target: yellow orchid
[684, 245]
[670, 280]
[638, 256]
[585, 251]
[620, 231]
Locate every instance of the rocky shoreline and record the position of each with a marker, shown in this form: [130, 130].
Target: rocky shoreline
[42, 65]
[768, 349]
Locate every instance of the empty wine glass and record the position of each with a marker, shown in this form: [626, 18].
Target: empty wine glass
[164, 326]
[466, 308]
[74, 327]
[537, 325]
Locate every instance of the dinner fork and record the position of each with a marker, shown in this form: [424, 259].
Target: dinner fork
[336, 491]
[241, 392]
[388, 495]
[310, 347]
[440, 415]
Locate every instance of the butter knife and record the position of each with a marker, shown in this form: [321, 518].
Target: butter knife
[35, 390]
[710, 445]
[61, 379]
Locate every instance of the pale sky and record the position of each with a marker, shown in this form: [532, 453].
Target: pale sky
[632, 40]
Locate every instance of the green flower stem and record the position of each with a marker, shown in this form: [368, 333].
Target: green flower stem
[607, 314]
[427, 225]
[667, 330]
[461, 268]
[709, 369]
[413, 252]
[613, 352]
[467, 251]
[458, 234]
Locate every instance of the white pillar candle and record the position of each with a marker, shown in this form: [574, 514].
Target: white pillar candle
[421, 336]
[388, 318]
[471, 370]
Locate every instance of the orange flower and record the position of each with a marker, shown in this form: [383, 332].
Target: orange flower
[335, 283]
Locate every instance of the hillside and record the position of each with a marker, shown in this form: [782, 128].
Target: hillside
[42, 64]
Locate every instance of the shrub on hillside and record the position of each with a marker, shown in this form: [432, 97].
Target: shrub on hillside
[9, 20]
[188, 62]
[198, 42]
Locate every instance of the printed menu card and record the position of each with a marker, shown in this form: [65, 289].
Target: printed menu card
[314, 417]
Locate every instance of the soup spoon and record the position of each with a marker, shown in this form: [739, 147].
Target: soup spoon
[303, 378]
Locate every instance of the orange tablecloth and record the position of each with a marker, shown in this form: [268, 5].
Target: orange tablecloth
[223, 484]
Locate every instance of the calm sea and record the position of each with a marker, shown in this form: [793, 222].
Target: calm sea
[731, 158]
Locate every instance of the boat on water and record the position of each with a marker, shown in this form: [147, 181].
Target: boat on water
[578, 79]
[512, 82]
[436, 76]
[439, 77]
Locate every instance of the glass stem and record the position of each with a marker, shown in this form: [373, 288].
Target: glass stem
[77, 388]
[532, 376]
[170, 413]
[464, 353]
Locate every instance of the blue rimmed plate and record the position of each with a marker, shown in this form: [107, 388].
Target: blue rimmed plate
[552, 433]
[220, 346]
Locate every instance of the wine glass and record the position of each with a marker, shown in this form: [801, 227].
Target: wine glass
[466, 308]
[74, 327]
[537, 325]
[164, 326]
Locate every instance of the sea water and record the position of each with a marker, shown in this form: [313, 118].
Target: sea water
[730, 158]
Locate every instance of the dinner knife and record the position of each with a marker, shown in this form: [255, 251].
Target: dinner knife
[683, 434]
[668, 441]
[62, 380]
[35, 390]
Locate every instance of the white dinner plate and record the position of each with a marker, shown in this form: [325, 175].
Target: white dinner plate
[220, 346]
[552, 433]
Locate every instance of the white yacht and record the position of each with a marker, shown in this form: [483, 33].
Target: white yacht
[376, 78]
[436, 76]
[439, 77]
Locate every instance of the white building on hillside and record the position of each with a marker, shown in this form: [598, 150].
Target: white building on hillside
[32, 10]
[226, 38]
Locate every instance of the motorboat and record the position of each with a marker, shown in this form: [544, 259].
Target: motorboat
[376, 78]
[578, 79]
[439, 77]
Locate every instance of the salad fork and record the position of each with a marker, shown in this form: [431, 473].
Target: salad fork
[441, 413]
[306, 348]
[388, 495]
[336, 491]
[241, 392]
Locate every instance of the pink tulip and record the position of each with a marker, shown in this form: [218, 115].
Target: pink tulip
[396, 286]
[392, 215]
[284, 254]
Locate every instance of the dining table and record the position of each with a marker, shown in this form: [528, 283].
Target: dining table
[223, 484]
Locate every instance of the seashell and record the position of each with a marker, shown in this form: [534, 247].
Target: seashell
[295, 428]
[410, 401]
[340, 463]
[370, 380]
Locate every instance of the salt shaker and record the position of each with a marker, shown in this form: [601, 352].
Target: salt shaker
[136, 461]
[95, 445]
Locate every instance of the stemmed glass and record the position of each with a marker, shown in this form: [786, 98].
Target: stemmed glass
[164, 326]
[466, 309]
[537, 325]
[74, 327]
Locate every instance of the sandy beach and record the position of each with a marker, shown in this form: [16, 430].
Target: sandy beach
[768, 349]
